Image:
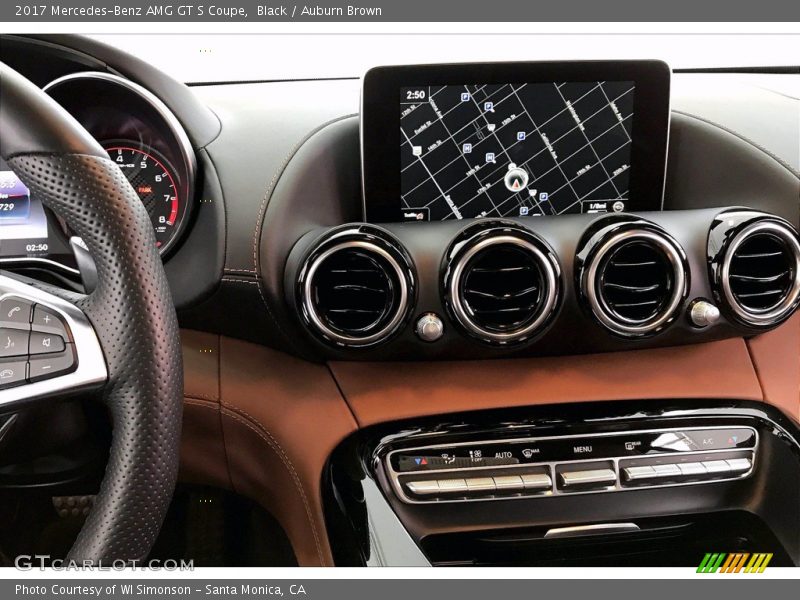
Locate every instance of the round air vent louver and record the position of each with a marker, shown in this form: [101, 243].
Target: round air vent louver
[760, 273]
[634, 279]
[355, 287]
[502, 284]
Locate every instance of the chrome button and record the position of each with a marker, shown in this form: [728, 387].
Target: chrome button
[716, 466]
[739, 465]
[695, 468]
[588, 477]
[423, 488]
[666, 470]
[452, 486]
[537, 481]
[480, 484]
[508, 483]
[637, 473]
[429, 327]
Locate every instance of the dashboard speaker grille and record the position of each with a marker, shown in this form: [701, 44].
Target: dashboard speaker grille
[355, 288]
[760, 273]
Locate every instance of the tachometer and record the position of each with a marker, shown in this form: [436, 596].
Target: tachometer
[156, 184]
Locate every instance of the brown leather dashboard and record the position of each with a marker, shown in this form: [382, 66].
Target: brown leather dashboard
[263, 423]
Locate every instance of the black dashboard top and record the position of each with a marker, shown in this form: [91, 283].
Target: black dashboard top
[284, 168]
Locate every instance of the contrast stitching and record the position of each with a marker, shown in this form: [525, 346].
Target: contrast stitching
[273, 444]
[251, 423]
[245, 281]
[203, 402]
[262, 210]
[200, 397]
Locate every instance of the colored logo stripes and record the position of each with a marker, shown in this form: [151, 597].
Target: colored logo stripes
[734, 563]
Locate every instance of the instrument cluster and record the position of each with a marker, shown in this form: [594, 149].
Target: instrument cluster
[148, 144]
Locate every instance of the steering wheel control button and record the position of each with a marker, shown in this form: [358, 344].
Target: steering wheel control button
[51, 365]
[13, 342]
[15, 312]
[45, 343]
[46, 320]
[12, 373]
[703, 314]
[429, 327]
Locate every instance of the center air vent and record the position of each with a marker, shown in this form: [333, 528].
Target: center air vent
[355, 286]
[634, 279]
[760, 275]
[502, 284]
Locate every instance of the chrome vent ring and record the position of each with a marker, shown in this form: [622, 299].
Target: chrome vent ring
[502, 285]
[760, 273]
[635, 281]
[355, 287]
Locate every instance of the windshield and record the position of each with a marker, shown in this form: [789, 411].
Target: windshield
[213, 58]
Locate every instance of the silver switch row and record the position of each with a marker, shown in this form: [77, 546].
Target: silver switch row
[501, 483]
[706, 467]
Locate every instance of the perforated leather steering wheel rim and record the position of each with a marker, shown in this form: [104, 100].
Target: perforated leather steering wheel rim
[131, 311]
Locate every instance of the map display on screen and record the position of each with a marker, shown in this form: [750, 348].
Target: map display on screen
[511, 150]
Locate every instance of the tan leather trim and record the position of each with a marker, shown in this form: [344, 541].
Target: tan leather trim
[263, 424]
[201, 360]
[277, 485]
[380, 392]
[776, 358]
[203, 455]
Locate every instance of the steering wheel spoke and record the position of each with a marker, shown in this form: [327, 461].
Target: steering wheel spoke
[48, 347]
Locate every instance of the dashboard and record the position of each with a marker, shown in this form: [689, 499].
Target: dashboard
[353, 251]
[463, 211]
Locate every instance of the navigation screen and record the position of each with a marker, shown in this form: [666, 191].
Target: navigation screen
[515, 150]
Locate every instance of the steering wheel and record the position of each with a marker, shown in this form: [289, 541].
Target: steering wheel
[121, 341]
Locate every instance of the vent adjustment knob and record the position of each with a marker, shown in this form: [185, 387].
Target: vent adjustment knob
[703, 314]
[430, 327]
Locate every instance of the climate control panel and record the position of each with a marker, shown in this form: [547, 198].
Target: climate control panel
[574, 464]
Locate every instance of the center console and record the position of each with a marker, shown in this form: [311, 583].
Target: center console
[599, 484]
[493, 469]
